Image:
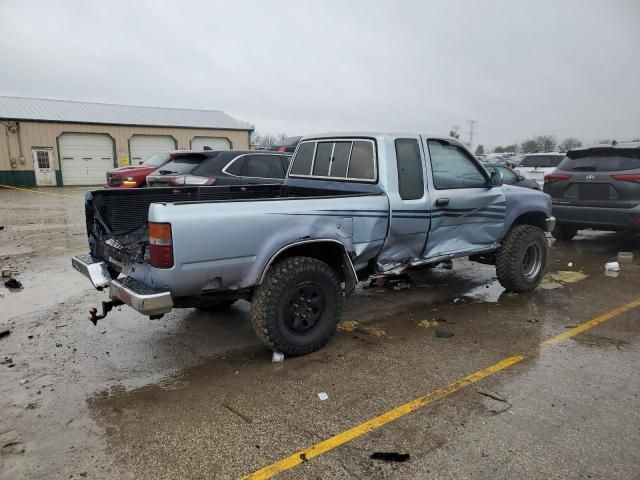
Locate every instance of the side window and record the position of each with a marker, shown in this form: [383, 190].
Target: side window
[452, 168]
[235, 168]
[410, 176]
[323, 159]
[508, 176]
[304, 159]
[340, 160]
[263, 166]
[285, 159]
[361, 165]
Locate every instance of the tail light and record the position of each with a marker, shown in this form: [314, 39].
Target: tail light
[191, 180]
[556, 177]
[627, 177]
[282, 149]
[636, 218]
[160, 245]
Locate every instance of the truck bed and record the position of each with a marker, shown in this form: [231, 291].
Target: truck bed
[122, 211]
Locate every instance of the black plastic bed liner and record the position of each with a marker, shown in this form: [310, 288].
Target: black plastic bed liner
[124, 210]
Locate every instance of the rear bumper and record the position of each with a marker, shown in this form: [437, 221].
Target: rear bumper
[137, 295]
[598, 218]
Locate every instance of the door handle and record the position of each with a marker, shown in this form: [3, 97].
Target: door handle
[442, 202]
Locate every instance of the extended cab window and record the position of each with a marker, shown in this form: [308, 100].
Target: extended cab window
[452, 168]
[541, 161]
[340, 159]
[410, 176]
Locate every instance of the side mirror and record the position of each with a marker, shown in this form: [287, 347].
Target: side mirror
[520, 178]
[496, 179]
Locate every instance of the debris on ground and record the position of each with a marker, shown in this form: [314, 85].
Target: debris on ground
[443, 333]
[5, 332]
[323, 396]
[533, 320]
[612, 266]
[8, 361]
[559, 279]
[570, 264]
[401, 281]
[351, 326]
[13, 283]
[390, 456]
[447, 265]
[61, 325]
[246, 418]
[277, 357]
[490, 394]
[625, 257]
[428, 323]
[6, 273]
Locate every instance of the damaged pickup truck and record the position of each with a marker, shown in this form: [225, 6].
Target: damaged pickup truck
[352, 205]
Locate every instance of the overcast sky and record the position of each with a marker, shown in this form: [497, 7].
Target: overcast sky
[568, 68]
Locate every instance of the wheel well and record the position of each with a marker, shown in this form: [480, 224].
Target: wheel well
[330, 253]
[537, 219]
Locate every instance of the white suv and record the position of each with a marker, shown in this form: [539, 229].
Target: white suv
[535, 166]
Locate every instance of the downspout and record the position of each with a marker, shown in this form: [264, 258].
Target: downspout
[19, 143]
[6, 133]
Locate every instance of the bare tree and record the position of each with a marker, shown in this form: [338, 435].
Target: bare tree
[545, 143]
[529, 145]
[454, 132]
[259, 141]
[480, 150]
[570, 143]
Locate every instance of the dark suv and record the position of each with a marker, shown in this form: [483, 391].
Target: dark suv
[597, 188]
[227, 167]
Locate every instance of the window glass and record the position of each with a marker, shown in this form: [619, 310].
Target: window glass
[452, 168]
[188, 163]
[601, 162]
[303, 160]
[410, 177]
[508, 176]
[361, 164]
[541, 161]
[236, 166]
[263, 166]
[323, 159]
[285, 161]
[156, 159]
[340, 159]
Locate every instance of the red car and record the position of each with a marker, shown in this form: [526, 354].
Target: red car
[135, 176]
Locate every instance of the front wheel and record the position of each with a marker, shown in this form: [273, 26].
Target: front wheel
[522, 258]
[296, 309]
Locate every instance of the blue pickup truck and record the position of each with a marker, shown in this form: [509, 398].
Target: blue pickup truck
[352, 205]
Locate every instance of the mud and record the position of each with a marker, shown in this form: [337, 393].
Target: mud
[134, 398]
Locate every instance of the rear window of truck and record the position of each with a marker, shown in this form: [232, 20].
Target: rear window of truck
[335, 159]
[541, 161]
[612, 161]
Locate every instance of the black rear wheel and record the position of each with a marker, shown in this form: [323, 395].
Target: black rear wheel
[564, 233]
[296, 309]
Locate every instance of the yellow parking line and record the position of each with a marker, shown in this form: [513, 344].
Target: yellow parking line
[41, 193]
[341, 438]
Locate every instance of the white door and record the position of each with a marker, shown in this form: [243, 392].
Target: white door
[142, 147]
[43, 166]
[85, 158]
[214, 143]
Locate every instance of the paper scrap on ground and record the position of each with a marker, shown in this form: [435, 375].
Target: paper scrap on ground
[323, 396]
[560, 279]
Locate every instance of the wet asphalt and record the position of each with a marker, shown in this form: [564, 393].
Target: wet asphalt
[195, 395]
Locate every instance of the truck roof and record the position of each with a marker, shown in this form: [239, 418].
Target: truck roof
[377, 135]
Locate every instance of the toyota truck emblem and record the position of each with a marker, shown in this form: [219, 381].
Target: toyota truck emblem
[590, 178]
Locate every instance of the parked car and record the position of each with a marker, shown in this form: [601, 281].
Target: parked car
[135, 176]
[225, 167]
[286, 145]
[351, 205]
[510, 177]
[536, 165]
[597, 188]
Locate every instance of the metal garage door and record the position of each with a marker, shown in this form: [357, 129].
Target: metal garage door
[215, 143]
[85, 158]
[142, 147]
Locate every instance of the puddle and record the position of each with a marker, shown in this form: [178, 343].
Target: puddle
[560, 279]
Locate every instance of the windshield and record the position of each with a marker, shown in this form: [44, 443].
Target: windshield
[602, 162]
[156, 159]
[542, 161]
[184, 164]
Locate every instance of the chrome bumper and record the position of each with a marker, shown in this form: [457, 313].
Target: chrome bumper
[137, 295]
[550, 224]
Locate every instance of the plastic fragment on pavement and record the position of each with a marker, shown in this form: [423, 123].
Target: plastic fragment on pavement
[277, 357]
[323, 396]
[613, 266]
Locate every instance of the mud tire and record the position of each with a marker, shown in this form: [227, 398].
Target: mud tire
[517, 271]
[278, 295]
[564, 233]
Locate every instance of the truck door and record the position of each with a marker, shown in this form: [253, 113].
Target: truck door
[467, 214]
[409, 202]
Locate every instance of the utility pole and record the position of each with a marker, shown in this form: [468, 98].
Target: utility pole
[471, 124]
